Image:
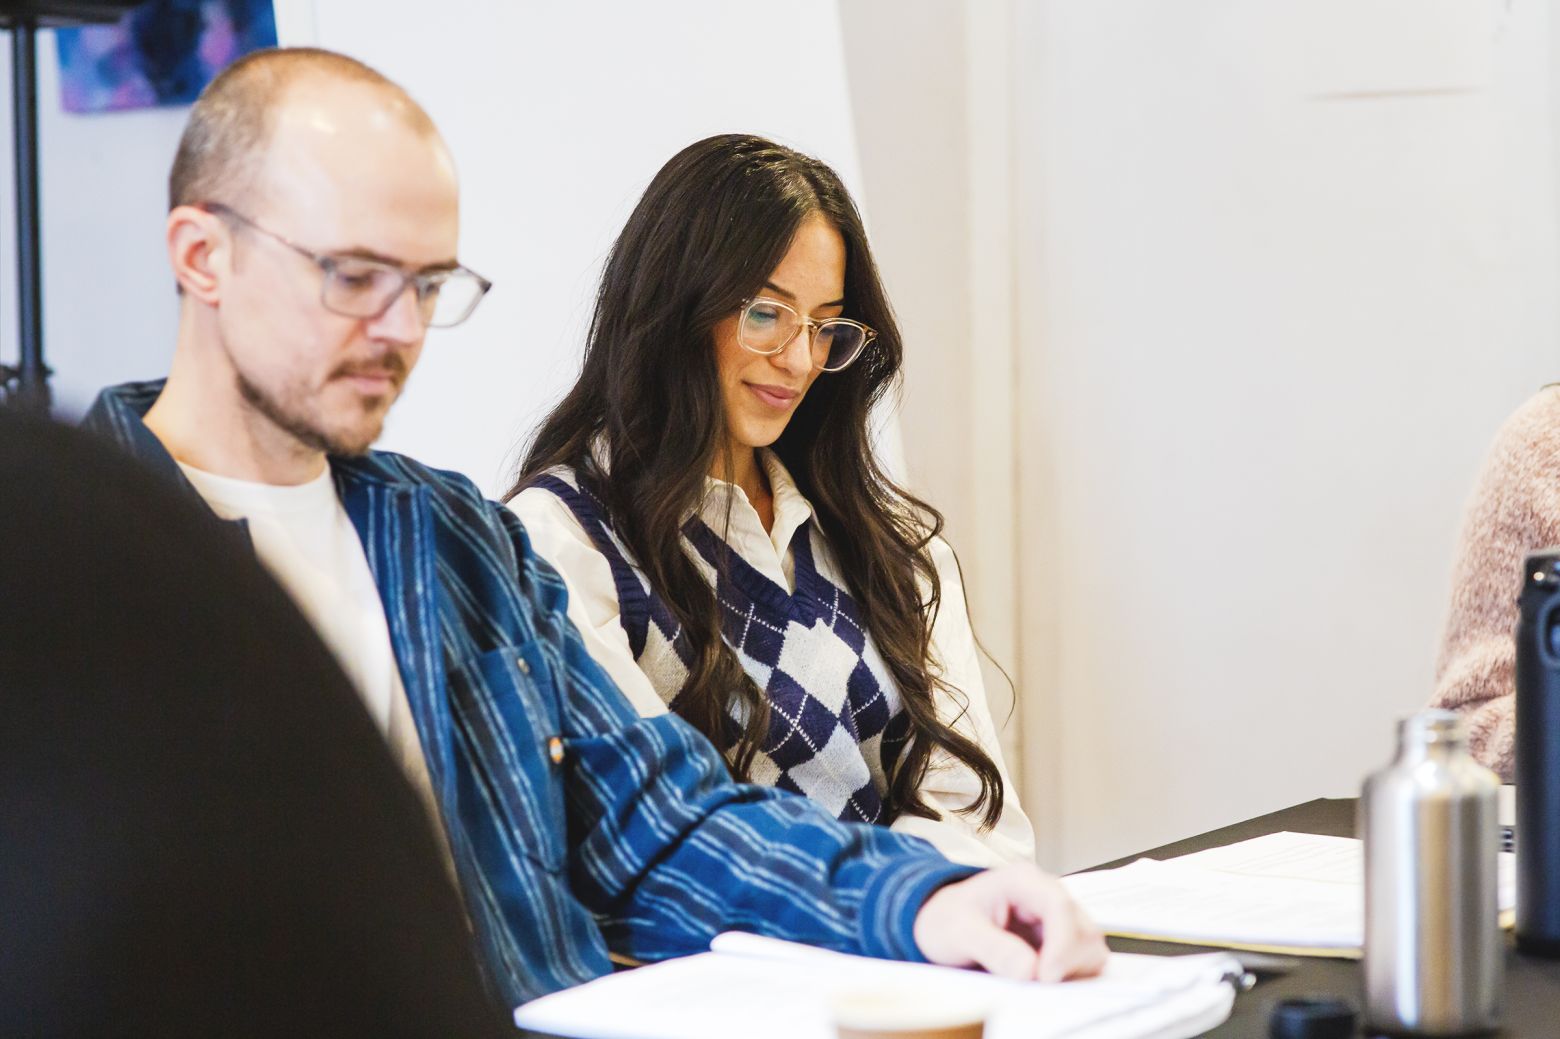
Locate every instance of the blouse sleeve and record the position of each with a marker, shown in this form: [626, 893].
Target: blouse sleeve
[558, 537]
[950, 784]
[1515, 510]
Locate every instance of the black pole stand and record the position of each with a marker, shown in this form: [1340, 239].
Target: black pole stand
[28, 382]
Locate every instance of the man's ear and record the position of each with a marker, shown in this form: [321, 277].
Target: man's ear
[200, 252]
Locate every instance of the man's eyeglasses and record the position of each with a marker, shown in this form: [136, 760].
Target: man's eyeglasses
[767, 327]
[362, 288]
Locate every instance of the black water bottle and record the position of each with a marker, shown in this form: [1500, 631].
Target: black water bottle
[1538, 756]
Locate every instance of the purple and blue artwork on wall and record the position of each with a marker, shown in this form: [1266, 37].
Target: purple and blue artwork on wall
[161, 53]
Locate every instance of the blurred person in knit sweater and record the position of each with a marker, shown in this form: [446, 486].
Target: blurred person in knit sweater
[1514, 510]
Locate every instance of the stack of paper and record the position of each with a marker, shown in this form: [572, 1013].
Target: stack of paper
[1296, 893]
[761, 988]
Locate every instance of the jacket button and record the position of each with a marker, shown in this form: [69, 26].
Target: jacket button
[525, 669]
[555, 750]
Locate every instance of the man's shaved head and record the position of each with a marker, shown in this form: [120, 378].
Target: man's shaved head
[219, 156]
[297, 165]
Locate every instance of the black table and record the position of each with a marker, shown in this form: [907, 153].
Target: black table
[1532, 985]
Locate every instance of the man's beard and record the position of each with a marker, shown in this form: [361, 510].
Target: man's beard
[346, 444]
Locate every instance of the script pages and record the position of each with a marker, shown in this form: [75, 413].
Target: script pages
[1294, 893]
[763, 988]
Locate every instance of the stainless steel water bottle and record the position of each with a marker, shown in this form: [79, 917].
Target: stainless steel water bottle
[1434, 954]
[1538, 756]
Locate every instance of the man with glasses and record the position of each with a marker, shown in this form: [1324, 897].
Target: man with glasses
[312, 232]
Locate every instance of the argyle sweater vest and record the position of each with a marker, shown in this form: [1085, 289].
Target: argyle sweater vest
[836, 723]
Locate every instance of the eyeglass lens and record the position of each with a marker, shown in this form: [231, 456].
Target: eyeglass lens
[362, 288]
[768, 327]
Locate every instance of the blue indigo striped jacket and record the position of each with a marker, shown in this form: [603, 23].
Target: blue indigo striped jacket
[575, 825]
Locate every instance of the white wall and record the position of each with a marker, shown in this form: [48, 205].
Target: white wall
[109, 310]
[931, 90]
[909, 113]
[559, 114]
[1285, 267]
[1278, 273]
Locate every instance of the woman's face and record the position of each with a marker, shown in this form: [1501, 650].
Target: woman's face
[758, 393]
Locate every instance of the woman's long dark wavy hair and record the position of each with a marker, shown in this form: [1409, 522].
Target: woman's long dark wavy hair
[711, 228]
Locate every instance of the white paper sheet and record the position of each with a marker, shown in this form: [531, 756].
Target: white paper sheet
[1296, 891]
[761, 988]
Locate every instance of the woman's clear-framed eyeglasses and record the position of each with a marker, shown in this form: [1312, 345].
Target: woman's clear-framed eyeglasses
[355, 286]
[767, 326]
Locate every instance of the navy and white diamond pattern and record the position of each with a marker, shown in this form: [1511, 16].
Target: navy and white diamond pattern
[831, 700]
[836, 723]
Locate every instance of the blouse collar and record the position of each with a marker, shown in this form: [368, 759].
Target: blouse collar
[746, 532]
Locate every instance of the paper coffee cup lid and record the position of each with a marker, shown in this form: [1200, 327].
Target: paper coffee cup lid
[906, 1010]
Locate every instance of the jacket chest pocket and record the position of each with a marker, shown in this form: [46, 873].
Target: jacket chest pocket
[506, 724]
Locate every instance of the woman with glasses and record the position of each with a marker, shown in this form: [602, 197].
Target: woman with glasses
[732, 548]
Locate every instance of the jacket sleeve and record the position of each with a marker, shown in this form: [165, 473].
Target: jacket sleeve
[1515, 509]
[667, 851]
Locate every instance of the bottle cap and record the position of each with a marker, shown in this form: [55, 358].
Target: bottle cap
[1311, 1018]
[1433, 725]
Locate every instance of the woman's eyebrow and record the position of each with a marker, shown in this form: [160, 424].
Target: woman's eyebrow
[788, 294]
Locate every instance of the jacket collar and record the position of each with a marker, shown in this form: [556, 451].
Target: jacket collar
[403, 567]
[119, 412]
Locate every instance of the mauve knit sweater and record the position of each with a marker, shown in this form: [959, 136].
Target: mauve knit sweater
[1515, 509]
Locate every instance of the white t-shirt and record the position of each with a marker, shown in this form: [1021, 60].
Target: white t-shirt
[304, 537]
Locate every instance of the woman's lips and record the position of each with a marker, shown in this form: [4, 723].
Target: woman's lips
[777, 397]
